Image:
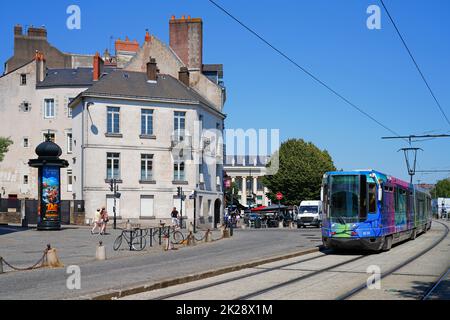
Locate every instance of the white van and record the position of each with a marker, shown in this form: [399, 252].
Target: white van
[309, 214]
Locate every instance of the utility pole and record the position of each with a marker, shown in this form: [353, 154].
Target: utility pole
[413, 151]
[182, 197]
[410, 166]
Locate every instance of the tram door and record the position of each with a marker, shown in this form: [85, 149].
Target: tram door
[388, 215]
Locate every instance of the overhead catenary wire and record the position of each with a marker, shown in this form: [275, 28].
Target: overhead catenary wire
[292, 61]
[415, 62]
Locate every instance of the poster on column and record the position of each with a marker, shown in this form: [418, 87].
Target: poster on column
[50, 196]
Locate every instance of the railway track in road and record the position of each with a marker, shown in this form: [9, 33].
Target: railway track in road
[310, 274]
[245, 276]
[358, 289]
[432, 289]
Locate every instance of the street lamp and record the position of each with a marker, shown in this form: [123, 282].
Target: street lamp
[114, 188]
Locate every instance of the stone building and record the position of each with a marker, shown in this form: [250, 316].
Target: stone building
[133, 127]
[34, 102]
[40, 81]
[246, 172]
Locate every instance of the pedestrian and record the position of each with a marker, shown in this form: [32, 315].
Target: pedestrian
[98, 223]
[105, 220]
[175, 215]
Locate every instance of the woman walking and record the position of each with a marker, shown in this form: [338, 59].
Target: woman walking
[105, 219]
[98, 223]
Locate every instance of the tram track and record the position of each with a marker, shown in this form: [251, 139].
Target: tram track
[311, 274]
[207, 286]
[431, 290]
[360, 288]
[256, 293]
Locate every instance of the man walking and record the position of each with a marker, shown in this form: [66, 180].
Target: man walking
[174, 215]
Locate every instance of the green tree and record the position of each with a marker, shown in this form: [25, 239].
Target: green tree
[301, 168]
[442, 189]
[4, 145]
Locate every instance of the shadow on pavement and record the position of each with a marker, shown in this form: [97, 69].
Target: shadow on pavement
[5, 229]
[420, 288]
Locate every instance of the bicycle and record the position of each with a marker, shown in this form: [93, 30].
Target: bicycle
[171, 232]
[135, 239]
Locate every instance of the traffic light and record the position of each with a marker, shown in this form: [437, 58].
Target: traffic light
[179, 192]
[111, 185]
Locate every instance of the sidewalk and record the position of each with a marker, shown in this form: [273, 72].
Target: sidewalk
[124, 268]
[74, 244]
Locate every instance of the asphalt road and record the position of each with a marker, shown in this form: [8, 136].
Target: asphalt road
[122, 269]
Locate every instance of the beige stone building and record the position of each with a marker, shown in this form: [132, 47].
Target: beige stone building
[39, 83]
[131, 126]
[246, 172]
[33, 103]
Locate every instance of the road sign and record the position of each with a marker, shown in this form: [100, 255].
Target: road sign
[279, 196]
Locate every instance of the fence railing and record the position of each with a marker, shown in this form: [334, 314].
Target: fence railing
[72, 211]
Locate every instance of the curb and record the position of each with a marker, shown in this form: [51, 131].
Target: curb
[120, 293]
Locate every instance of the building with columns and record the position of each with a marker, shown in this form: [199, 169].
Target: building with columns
[246, 172]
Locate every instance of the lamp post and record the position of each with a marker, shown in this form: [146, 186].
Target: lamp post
[114, 188]
[182, 197]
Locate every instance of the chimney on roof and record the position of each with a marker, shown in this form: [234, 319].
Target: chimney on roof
[18, 30]
[34, 32]
[183, 75]
[186, 39]
[41, 68]
[148, 38]
[98, 67]
[152, 70]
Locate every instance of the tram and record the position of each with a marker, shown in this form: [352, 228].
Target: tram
[366, 209]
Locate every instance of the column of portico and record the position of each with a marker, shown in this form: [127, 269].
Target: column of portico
[244, 191]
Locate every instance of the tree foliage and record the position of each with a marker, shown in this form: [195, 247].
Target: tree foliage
[301, 168]
[442, 189]
[4, 145]
[228, 194]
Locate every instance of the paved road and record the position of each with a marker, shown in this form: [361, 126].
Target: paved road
[304, 277]
[123, 269]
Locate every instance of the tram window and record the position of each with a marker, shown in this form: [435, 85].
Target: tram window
[325, 201]
[372, 197]
[363, 198]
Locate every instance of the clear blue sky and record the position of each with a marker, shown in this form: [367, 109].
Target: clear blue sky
[328, 37]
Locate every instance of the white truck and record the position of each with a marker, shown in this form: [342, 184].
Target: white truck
[309, 214]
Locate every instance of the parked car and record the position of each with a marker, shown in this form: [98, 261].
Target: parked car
[309, 214]
[252, 217]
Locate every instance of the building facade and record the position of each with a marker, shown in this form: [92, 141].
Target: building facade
[40, 82]
[34, 103]
[246, 172]
[144, 130]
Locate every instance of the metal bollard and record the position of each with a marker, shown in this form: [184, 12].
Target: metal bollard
[160, 234]
[151, 237]
[1, 265]
[131, 240]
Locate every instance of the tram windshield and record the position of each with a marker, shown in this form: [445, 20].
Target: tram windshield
[348, 198]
